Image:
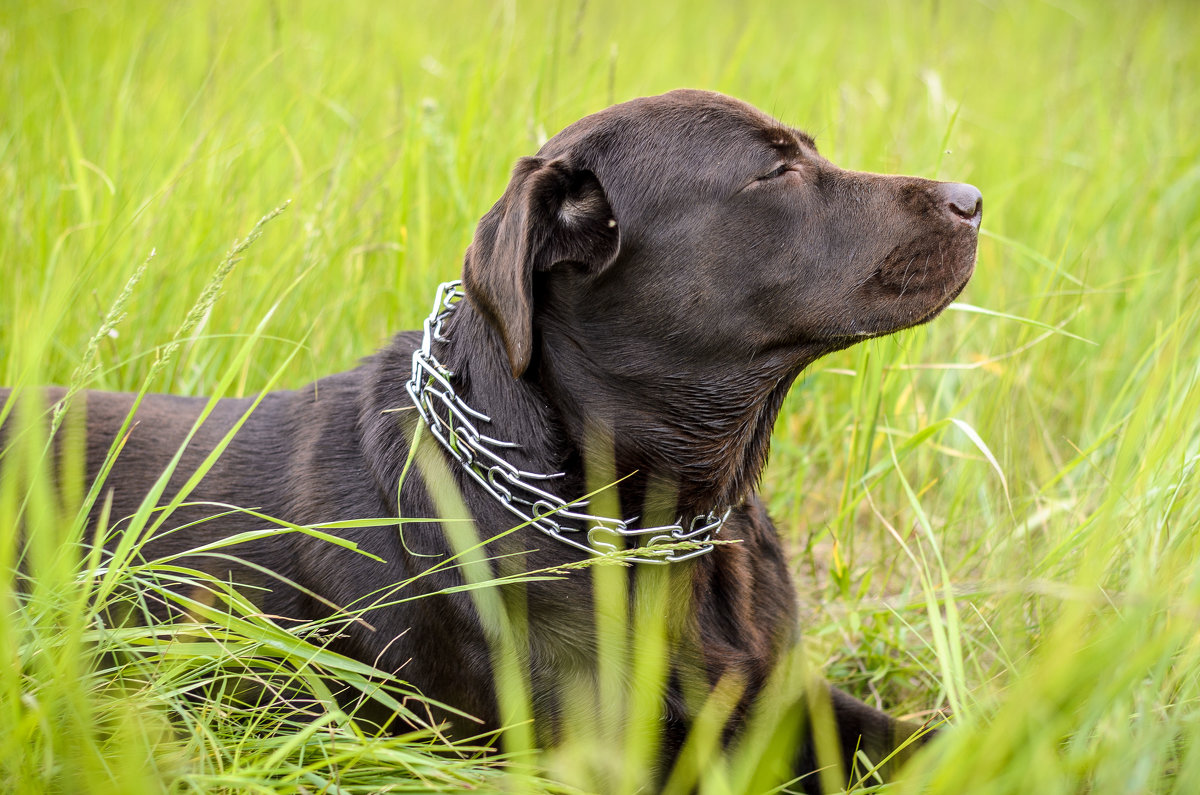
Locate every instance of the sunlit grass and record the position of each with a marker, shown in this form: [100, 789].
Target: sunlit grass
[996, 513]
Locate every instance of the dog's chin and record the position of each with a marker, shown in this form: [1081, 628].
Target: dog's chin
[905, 310]
[963, 276]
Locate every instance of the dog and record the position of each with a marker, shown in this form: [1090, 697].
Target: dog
[634, 308]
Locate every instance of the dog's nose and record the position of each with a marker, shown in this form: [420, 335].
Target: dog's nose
[964, 201]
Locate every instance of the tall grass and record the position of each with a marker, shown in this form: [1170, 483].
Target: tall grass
[996, 513]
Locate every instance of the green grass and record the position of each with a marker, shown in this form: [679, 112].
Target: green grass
[996, 513]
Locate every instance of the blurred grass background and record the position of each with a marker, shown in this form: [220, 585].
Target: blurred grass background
[996, 513]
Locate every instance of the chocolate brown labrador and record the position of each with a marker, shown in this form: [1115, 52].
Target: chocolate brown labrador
[643, 295]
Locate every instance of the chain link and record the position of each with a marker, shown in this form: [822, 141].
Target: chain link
[453, 423]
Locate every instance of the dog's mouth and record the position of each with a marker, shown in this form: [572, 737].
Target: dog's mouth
[928, 263]
[915, 284]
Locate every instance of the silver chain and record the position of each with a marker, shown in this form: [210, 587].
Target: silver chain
[453, 423]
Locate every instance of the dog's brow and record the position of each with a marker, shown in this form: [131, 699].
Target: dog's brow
[789, 142]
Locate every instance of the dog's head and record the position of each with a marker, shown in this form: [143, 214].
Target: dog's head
[666, 267]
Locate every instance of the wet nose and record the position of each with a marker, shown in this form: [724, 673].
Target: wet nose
[964, 201]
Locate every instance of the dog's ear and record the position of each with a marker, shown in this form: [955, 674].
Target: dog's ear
[549, 214]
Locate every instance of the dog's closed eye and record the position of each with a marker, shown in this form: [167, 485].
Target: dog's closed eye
[778, 171]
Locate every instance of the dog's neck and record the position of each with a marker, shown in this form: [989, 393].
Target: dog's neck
[465, 433]
[704, 441]
[678, 449]
[533, 413]
[696, 425]
[517, 408]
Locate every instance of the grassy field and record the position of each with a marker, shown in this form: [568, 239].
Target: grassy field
[998, 514]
